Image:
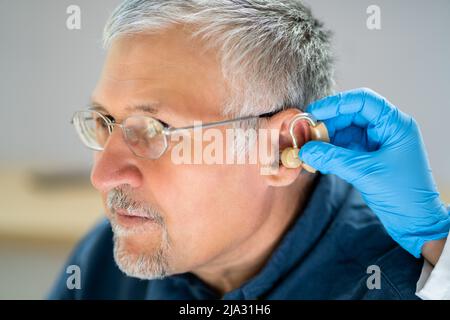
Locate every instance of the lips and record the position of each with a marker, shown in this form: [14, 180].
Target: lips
[127, 213]
[132, 218]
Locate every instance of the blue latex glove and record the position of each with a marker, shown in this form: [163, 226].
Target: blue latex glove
[380, 151]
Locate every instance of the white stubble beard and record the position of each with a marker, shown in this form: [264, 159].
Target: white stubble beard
[146, 266]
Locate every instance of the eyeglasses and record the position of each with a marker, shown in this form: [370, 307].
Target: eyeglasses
[145, 136]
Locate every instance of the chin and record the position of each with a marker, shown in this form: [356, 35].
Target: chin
[142, 253]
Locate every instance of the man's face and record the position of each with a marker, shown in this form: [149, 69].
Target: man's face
[201, 213]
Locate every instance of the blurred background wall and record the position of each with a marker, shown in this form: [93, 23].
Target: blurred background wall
[48, 71]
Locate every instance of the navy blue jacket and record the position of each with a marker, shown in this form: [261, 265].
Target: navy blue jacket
[325, 254]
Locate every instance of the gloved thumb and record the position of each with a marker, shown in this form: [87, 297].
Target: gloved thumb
[330, 159]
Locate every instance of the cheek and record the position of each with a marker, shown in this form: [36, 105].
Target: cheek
[209, 207]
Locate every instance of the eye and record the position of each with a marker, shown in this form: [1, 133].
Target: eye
[165, 125]
[110, 118]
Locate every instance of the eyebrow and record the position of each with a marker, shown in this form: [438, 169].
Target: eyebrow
[146, 107]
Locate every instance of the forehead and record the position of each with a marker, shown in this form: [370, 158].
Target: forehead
[167, 68]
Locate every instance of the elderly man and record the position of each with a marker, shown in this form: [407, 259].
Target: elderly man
[212, 230]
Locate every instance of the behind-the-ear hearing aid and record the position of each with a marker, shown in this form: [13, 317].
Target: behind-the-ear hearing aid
[289, 156]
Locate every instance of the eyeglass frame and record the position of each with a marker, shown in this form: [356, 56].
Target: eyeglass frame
[167, 130]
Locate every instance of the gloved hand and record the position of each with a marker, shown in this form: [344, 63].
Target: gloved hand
[379, 150]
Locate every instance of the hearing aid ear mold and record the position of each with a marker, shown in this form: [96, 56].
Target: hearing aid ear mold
[289, 157]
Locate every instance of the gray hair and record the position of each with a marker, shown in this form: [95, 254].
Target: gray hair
[274, 53]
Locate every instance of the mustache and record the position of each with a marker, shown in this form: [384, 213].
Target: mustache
[120, 198]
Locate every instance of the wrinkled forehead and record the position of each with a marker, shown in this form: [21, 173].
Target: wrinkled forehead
[166, 68]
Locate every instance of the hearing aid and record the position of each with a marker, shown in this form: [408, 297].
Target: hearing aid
[289, 157]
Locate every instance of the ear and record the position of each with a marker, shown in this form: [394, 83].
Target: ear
[281, 121]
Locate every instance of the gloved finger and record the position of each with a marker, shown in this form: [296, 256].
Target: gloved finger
[349, 103]
[330, 159]
[353, 138]
[345, 120]
[363, 108]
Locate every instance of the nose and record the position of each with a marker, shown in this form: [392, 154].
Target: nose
[115, 165]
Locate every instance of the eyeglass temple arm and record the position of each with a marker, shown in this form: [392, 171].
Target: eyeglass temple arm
[218, 123]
